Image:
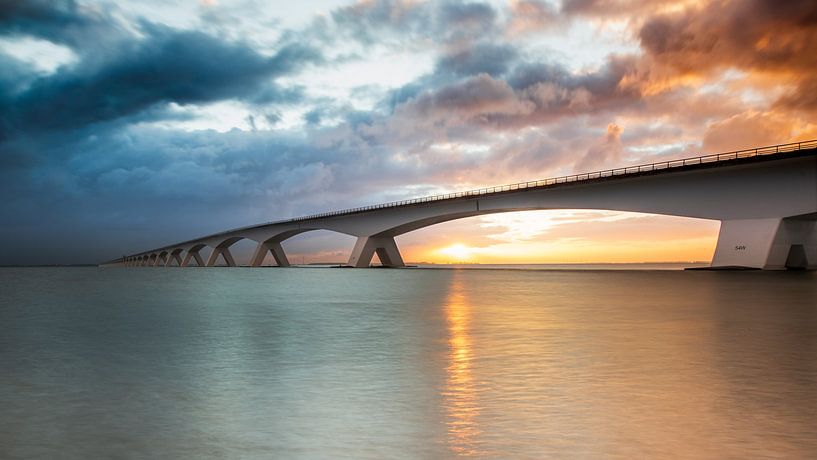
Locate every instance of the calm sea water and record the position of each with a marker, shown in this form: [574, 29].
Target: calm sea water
[329, 363]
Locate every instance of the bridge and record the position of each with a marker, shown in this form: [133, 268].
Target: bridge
[765, 198]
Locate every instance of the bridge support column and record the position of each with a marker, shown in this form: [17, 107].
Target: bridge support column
[769, 244]
[161, 260]
[192, 255]
[223, 252]
[277, 253]
[174, 257]
[367, 246]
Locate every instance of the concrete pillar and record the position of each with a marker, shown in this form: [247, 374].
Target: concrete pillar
[193, 255]
[174, 257]
[277, 253]
[161, 260]
[770, 244]
[223, 252]
[384, 246]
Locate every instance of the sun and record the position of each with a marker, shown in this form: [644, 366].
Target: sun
[457, 252]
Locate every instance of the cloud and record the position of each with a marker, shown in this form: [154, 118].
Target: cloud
[183, 67]
[56, 20]
[803, 97]
[447, 23]
[529, 16]
[616, 8]
[489, 58]
[777, 38]
[531, 94]
[756, 129]
[608, 151]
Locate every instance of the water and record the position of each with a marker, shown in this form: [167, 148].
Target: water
[328, 363]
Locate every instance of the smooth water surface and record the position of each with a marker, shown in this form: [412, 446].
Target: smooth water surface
[329, 363]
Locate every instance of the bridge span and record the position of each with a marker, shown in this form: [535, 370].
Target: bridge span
[765, 198]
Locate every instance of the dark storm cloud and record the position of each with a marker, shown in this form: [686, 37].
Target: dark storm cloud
[168, 66]
[73, 158]
[55, 20]
[14, 75]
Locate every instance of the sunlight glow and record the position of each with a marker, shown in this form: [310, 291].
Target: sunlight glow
[460, 393]
[457, 253]
[564, 236]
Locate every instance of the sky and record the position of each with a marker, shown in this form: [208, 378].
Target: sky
[127, 125]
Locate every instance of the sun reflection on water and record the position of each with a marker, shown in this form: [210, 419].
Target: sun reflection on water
[460, 395]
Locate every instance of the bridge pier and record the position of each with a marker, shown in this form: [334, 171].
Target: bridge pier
[192, 254]
[277, 253]
[367, 246]
[174, 257]
[161, 260]
[769, 244]
[224, 253]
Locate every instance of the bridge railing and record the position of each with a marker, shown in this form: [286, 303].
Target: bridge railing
[669, 164]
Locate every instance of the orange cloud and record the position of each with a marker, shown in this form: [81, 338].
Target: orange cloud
[754, 129]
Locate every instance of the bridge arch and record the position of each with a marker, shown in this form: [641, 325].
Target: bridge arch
[272, 244]
[174, 256]
[269, 242]
[384, 245]
[193, 254]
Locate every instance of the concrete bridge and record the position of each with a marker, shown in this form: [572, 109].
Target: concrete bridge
[765, 198]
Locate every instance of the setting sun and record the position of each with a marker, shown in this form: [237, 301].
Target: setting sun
[457, 253]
